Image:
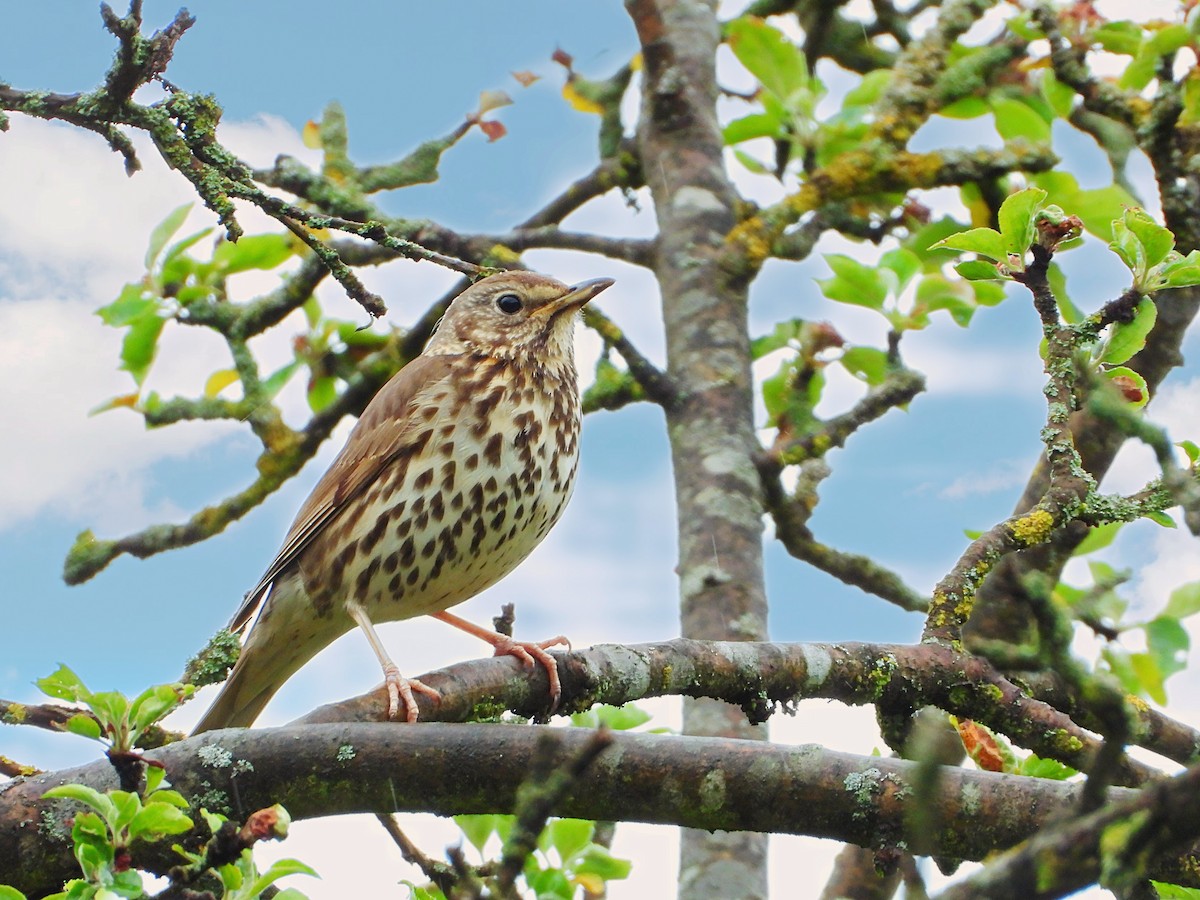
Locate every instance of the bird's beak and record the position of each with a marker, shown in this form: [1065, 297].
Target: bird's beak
[576, 296]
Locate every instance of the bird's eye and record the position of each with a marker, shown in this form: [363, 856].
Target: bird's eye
[508, 303]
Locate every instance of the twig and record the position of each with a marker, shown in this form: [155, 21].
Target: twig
[441, 874]
[538, 797]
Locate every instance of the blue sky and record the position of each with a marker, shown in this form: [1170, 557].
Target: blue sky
[75, 230]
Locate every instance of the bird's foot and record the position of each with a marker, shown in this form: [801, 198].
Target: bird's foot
[529, 652]
[400, 689]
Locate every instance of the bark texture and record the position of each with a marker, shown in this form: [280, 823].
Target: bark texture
[710, 426]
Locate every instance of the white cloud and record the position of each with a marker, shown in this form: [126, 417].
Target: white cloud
[75, 229]
[1003, 475]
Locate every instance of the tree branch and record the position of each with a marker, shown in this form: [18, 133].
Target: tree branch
[706, 783]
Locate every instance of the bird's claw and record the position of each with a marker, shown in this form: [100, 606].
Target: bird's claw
[400, 689]
[529, 652]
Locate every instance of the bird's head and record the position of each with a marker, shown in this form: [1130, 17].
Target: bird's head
[515, 314]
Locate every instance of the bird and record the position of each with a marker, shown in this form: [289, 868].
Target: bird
[455, 471]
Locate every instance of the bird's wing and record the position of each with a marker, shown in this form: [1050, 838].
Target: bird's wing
[379, 435]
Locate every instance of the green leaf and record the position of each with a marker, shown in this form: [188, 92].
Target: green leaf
[157, 819]
[1060, 97]
[1126, 245]
[1161, 518]
[110, 707]
[1015, 119]
[1183, 271]
[775, 391]
[1192, 449]
[1184, 602]
[966, 108]
[585, 719]
[1191, 99]
[1169, 39]
[321, 393]
[755, 125]
[174, 251]
[477, 829]
[259, 251]
[1098, 538]
[1099, 208]
[752, 164]
[1119, 664]
[1071, 313]
[984, 241]
[174, 798]
[853, 282]
[83, 725]
[988, 293]
[598, 861]
[1119, 37]
[163, 231]
[131, 304]
[81, 793]
[1127, 338]
[1149, 677]
[64, 684]
[1175, 892]
[140, 346]
[276, 380]
[869, 90]
[1168, 642]
[1156, 240]
[904, 263]
[1036, 767]
[551, 884]
[1015, 218]
[869, 364]
[155, 702]
[569, 836]
[622, 718]
[782, 335]
[956, 297]
[126, 805]
[978, 270]
[279, 869]
[770, 57]
[11, 893]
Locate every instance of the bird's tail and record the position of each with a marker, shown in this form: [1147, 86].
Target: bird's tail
[242, 698]
[277, 646]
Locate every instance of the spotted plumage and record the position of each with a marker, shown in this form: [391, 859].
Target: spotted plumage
[455, 471]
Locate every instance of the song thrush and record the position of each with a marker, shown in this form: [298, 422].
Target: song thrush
[455, 471]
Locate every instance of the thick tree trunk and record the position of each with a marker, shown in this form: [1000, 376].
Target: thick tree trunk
[710, 427]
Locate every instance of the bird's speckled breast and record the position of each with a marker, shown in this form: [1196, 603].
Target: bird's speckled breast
[483, 474]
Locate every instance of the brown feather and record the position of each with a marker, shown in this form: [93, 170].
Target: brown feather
[376, 438]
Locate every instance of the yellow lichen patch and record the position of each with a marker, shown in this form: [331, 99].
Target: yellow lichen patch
[12, 767]
[1033, 528]
[500, 255]
[751, 236]
[917, 169]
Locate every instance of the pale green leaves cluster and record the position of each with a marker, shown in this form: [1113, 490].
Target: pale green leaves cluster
[1148, 250]
[115, 718]
[1142, 672]
[112, 822]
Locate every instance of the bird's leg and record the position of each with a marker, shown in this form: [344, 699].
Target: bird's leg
[398, 687]
[526, 651]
